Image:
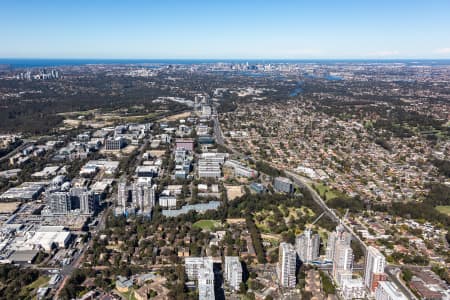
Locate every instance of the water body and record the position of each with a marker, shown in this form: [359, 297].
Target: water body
[34, 62]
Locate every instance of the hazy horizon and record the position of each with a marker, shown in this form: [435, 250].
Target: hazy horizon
[226, 30]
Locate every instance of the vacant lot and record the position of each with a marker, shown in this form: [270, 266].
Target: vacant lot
[8, 207]
[176, 117]
[444, 209]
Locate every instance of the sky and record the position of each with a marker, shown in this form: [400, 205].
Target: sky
[225, 29]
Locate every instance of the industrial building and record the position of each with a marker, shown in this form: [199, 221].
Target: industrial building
[27, 191]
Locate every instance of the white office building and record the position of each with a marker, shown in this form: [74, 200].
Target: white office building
[86, 200]
[338, 234]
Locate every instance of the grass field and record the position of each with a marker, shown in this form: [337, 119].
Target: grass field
[30, 289]
[444, 209]
[128, 295]
[207, 224]
[325, 192]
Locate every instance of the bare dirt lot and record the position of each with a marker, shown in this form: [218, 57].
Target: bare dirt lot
[234, 191]
[8, 207]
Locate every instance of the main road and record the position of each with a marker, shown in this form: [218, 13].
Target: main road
[300, 181]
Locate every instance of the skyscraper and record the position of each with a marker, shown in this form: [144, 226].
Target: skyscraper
[374, 270]
[307, 246]
[233, 272]
[201, 269]
[287, 263]
[338, 234]
[122, 195]
[342, 262]
[143, 195]
[341, 254]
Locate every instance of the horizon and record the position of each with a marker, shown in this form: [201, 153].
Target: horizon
[271, 30]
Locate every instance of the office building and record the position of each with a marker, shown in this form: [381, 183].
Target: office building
[186, 144]
[59, 203]
[214, 156]
[122, 194]
[307, 246]
[206, 110]
[287, 263]
[83, 199]
[206, 282]
[388, 291]
[241, 170]
[342, 262]
[233, 272]
[201, 269]
[374, 270]
[283, 185]
[143, 195]
[147, 171]
[208, 169]
[340, 253]
[167, 201]
[338, 234]
[113, 144]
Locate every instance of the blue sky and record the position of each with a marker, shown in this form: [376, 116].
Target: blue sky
[225, 29]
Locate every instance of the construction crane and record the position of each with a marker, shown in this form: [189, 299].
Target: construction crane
[345, 216]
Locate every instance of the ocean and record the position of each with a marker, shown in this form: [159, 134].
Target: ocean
[50, 62]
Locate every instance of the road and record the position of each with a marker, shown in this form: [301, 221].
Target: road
[25, 144]
[316, 197]
[67, 270]
[300, 181]
[394, 276]
[217, 130]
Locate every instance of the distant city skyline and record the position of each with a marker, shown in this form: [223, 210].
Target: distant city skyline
[233, 29]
